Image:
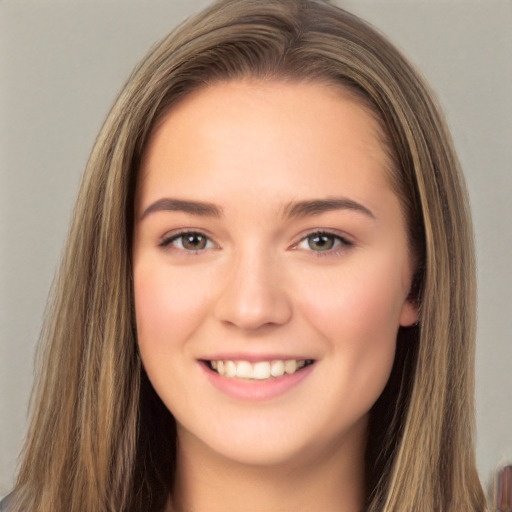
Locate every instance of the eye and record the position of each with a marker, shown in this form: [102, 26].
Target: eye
[321, 241]
[190, 241]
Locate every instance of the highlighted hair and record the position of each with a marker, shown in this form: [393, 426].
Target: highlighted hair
[100, 439]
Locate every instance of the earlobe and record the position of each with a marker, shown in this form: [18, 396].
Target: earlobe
[409, 314]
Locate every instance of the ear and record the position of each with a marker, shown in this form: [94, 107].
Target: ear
[409, 314]
[410, 309]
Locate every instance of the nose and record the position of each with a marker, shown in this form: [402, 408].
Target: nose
[253, 295]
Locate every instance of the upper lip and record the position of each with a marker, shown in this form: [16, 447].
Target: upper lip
[254, 358]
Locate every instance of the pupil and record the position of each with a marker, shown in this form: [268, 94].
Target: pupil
[321, 242]
[194, 242]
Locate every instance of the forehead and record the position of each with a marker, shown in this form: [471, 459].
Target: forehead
[297, 136]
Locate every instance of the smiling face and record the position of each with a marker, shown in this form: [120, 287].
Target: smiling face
[268, 242]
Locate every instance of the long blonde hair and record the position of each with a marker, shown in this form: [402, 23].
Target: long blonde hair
[100, 439]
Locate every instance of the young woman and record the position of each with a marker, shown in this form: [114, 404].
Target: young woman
[268, 298]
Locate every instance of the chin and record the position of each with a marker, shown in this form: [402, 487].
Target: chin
[261, 442]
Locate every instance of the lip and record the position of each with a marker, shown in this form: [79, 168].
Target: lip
[254, 358]
[254, 389]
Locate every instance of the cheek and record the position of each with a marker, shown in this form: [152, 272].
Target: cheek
[357, 314]
[167, 310]
[363, 299]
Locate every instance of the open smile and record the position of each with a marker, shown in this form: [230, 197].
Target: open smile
[261, 370]
[259, 380]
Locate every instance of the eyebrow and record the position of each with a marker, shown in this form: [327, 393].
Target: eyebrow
[293, 209]
[178, 205]
[319, 206]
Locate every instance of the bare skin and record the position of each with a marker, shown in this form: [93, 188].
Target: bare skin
[283, 488]
[267, 232]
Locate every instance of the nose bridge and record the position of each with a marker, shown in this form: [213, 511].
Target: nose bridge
[254, 293]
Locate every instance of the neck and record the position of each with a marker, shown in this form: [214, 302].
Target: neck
[332, 480]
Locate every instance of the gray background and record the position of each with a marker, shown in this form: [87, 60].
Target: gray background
[61, 64]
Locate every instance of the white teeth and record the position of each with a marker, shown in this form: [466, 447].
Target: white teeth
[290, 366]
[230, 369]
[277, 368]
[244, 370]
[260, 371]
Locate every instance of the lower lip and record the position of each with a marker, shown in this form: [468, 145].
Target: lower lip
[256, 389]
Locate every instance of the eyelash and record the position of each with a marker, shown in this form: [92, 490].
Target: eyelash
[341, 243]
[168, 240]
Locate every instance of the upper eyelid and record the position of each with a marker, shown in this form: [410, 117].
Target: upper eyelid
[332, 232]
[167, 241]
[343, 246]
[176, 233]
[169, 236]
